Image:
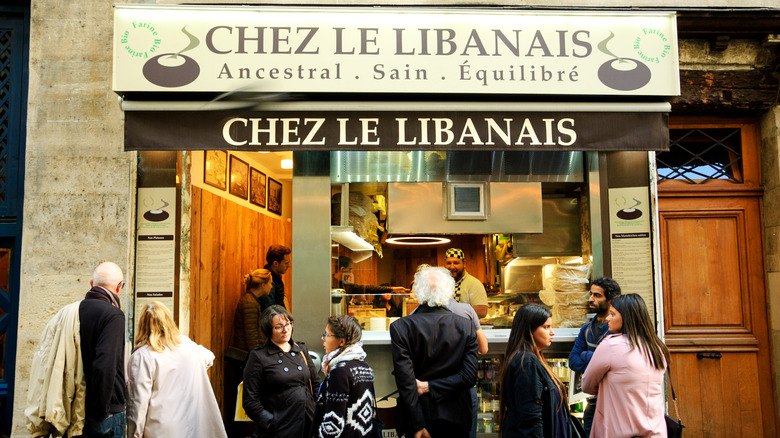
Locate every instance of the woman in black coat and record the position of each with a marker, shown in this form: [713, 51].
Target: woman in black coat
[278, 380]
[345, 402]
[533, 402]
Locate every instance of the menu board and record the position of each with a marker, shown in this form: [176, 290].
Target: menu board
[632, 256]
[155, 254]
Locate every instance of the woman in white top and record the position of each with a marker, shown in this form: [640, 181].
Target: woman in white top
[169, 393]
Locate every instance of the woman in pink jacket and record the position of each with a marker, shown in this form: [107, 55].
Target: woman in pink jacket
[627, 372]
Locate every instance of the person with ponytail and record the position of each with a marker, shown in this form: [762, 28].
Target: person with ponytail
[627, 371]
[246, 323]
[533, 400]
[169, 393]
[345, 400]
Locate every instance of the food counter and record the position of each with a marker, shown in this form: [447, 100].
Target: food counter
[494, 336]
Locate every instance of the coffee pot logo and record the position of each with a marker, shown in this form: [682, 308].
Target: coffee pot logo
[630, 213]
[173, 70]
[623, 74]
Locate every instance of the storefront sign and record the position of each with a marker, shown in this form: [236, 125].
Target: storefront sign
[632, 255]
[392, 130]
[389, 50]
[155, 254]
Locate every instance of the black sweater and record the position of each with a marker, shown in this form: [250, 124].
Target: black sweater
[102, 350]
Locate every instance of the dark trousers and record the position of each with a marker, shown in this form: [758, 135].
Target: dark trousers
[587, 415]
[445, 429]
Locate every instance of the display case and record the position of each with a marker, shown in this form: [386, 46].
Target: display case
[489, 388]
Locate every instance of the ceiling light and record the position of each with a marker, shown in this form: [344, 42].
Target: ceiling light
[287, 164]
[417, 240]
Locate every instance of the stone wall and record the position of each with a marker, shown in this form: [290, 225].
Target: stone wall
[79, 183]
[770, 175]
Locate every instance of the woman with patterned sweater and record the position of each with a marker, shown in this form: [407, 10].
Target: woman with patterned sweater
[345, 402]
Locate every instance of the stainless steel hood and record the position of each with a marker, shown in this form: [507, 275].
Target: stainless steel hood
[431, 166]
[418, 208]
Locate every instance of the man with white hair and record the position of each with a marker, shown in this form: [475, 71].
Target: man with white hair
[102, 350]
[435, 346]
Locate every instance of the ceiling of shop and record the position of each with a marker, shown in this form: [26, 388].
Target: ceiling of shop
[273, 160]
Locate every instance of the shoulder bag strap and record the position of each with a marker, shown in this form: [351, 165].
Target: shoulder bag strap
[306, 361]
[674, 396]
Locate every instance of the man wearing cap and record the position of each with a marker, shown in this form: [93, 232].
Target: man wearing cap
[468, 289]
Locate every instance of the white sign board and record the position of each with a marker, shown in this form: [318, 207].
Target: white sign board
[155, 253]
[389, 50]
[629, 227]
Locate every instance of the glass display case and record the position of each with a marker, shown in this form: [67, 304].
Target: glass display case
[489, 389]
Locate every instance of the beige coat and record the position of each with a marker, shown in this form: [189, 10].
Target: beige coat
[56, 377]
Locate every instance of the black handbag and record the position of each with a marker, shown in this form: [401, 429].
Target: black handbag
[376, 424]
[575, 428]
[674, 428]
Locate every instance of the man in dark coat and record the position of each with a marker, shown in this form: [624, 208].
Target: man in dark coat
[278, 262]
[102, 351]
[434, 361]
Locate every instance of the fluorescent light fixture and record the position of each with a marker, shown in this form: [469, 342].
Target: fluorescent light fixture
[347, 237]
[417, 240]
[287, 163]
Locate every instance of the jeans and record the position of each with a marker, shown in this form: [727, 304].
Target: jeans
[474, 403]
[111, 427]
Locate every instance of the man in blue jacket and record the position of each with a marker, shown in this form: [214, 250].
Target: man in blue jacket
[602, 290]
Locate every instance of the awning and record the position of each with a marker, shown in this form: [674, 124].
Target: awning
[559, 126]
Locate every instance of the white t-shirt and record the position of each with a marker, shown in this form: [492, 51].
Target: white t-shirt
[470, 291]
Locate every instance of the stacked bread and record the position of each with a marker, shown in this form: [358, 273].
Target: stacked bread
[566, 292]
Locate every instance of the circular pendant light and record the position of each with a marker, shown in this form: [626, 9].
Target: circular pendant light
[417, 240]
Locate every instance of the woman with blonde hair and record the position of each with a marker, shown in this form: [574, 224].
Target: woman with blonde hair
[246, 324]
[168, 389]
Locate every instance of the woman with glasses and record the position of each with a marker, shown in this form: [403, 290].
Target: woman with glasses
[278, 380]
[627, 371]
[168, 388]
[345, 401]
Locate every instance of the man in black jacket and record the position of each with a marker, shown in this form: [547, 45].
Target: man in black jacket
[278, 262]
[434, 361]
[102, 350]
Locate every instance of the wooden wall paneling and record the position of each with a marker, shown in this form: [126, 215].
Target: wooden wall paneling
[228, 241]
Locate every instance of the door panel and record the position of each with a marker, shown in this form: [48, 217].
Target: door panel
[715, 302]
[704, 257]
[729, 405]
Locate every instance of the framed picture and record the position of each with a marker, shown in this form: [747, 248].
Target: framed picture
[215, 169]
[274, 196]
[239, 177]
[256, 187]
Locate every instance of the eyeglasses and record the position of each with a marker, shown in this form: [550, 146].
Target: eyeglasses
[282, 328]
[121, 285]
[325, 335]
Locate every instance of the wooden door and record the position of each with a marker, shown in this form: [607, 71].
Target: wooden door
[715, 304]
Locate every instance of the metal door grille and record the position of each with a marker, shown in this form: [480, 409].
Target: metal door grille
[5, 93]
[700, 155]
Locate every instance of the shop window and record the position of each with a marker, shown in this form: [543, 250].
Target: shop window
[700, 155]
